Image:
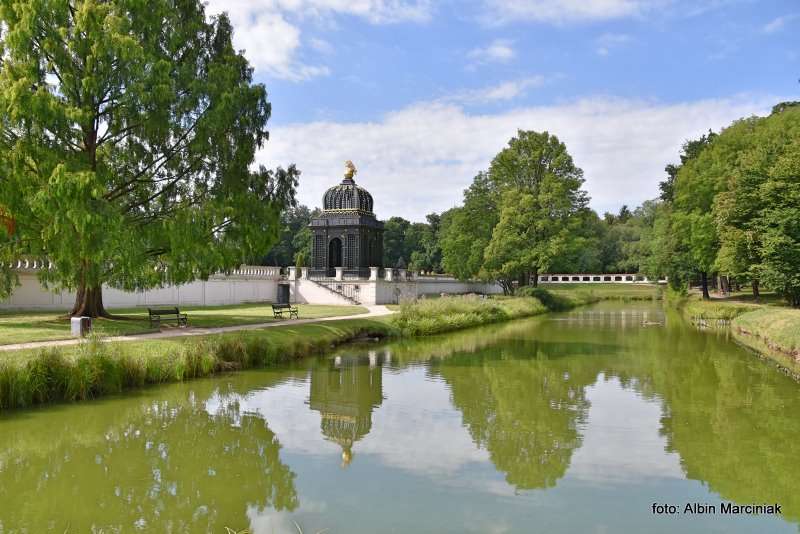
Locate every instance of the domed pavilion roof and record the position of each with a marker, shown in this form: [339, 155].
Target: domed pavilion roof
[347, 196]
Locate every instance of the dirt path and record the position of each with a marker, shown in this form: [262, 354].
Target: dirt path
[374, 311]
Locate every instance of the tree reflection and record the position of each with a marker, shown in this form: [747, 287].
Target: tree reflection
[345, 390]
[523, 405]
[167, 465]
[730, 417]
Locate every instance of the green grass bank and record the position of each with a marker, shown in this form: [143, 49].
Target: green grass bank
[767, 326]
[96, 368]
[434, 316]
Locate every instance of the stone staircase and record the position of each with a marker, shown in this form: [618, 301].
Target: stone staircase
[332, 287]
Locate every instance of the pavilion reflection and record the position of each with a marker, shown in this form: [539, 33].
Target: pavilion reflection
[345, 390]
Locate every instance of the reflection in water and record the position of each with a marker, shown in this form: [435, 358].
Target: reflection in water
[524, 405]
[162, 462]
[675, 415]
[345, 390]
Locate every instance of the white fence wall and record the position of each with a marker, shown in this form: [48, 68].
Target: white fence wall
[593, 278]
[248, 284]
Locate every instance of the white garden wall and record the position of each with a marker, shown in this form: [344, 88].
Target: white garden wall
[248, 284]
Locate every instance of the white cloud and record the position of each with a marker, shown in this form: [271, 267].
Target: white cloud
[321, 45]
[272, 42]
[575, 11]
[777, 24]
[608, 41]
[419, 159]
[504, 91]
[499, 51]
[561, 11]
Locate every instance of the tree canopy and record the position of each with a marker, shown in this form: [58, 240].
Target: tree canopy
[127, 137]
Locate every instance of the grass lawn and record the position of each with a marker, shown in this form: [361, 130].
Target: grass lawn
[609, 291]
[24, 326]
[768, 326]
[727, 308]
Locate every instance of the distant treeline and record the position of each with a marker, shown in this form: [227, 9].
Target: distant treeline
[730, 208]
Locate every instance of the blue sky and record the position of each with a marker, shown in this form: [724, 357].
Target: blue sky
[421, 94]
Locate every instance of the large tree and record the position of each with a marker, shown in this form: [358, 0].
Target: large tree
[126, 138]
[295, 237]
[394, 234]
[541, 195]
[755, 211]
[427, 256]
[467, 230]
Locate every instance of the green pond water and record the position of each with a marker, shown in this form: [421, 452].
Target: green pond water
[576, 422]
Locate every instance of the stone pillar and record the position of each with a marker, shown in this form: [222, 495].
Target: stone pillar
[373, 273]
[304, 272]
[388, 275]
[401, 274]
[292, 273]
[339, 273]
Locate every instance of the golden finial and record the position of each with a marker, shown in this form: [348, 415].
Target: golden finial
[349, 169]
[347, 457]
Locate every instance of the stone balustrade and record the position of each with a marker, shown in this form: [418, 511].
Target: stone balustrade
[594, 278]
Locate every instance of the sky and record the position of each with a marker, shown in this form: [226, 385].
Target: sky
[421, 94]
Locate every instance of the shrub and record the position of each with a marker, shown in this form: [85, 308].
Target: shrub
[550, 300]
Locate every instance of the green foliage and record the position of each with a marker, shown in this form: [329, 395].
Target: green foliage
[427, 254]
[467, 230]
[549, 299]
[518, 217]
[294, 237]
[733, 208]
[127, 138]
[96, 368]
[394, 231]
[413, 245]
[541, 196]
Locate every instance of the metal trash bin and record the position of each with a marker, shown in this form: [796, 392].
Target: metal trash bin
[81, 326]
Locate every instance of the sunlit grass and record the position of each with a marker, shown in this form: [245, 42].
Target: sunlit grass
[434, 316]
[608, 291]
[25, 326]
[95, 368]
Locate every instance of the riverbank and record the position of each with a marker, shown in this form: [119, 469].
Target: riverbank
[770, 329]
[96, 368]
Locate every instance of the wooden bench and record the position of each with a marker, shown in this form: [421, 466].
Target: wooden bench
[279, 309]
[167, 315]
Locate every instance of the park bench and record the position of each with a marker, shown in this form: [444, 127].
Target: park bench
[279, 309]
[166, 315]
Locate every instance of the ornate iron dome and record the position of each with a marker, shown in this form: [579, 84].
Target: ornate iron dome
[347, 196]
[346, 234]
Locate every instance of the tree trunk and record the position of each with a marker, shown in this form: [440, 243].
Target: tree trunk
[704, 281]
[89, 303]
[756, 292]
[724, 285]
[535, 277]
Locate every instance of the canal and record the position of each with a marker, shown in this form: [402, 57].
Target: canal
[575, 422]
